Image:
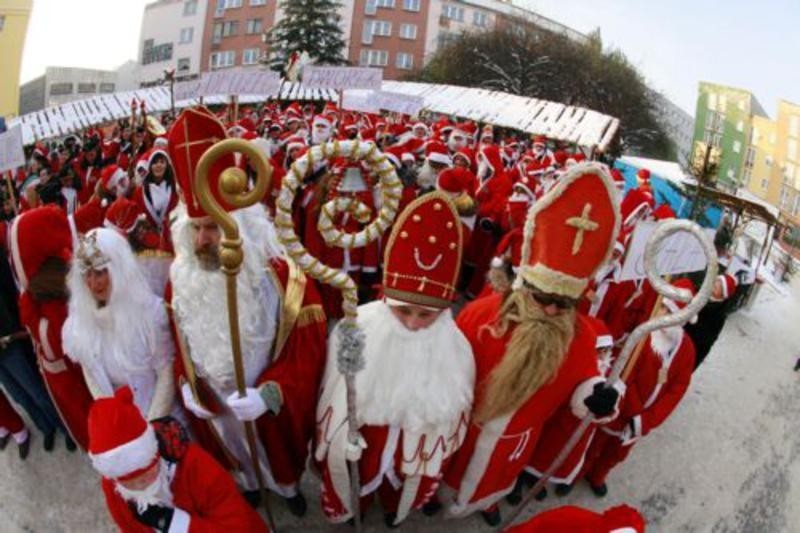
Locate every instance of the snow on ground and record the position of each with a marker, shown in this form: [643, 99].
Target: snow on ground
[727, 460]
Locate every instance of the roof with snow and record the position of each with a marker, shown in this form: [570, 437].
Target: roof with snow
[576, 125]
[668, 170]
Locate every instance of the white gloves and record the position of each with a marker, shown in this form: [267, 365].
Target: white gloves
[249, 407]
[192, 405]
[353, 451]
[632, 431]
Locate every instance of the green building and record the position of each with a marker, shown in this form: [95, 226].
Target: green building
[724, 121]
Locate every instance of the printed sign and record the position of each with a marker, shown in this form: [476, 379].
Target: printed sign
[315, 77]
[11, 153]
[398, 102]
[679, 253]
[187, 90]
[358, 100]
[238, 82]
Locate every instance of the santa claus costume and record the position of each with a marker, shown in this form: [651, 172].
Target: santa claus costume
[283, 330]
[156, 196]
[533, 353]
[572, 519]
[415, 394]
[154, 479]
[124, 340]
[656, 385]
[712, 317]
[41, 247]
[12, 426]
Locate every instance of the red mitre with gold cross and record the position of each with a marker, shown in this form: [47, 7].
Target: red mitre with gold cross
[423, 254]
[195, 131]
[570, 232]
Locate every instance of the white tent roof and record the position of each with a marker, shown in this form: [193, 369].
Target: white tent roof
[669, 170]
[557, 121]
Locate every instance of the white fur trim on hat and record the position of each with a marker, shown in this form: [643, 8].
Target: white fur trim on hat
[437, 157]
[127, 458]
[604, 341]
[16, 257]
[673, 308]
[392, 302]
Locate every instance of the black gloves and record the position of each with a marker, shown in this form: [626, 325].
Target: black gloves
[486, 224]
[603, 400]
[155, 516]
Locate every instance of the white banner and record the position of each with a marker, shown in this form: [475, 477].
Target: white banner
[186, 90]
[238, 82]
[11, 153]
[315, 77]
[678, 254]
[358, 100]
[397, 102]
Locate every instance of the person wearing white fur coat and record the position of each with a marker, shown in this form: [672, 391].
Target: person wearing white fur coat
[414, 395]
[117, 329]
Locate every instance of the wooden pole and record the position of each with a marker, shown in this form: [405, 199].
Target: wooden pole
[12, 198]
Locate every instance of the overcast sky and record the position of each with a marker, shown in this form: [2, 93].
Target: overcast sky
[674, 43]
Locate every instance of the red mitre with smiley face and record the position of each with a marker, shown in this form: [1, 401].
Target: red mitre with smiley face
[423, 255]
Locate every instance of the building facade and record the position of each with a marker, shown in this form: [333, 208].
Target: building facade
[677, 123]
[14, 16]
[172, 37]
[59, 85]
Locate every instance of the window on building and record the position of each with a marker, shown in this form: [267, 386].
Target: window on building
[764, 184]
[411, 5]
[375, 27]
[740, 125]
[737, 146]
[60, 89]
[156, 53]
[480, 19]
[184, 65]
[723, 103]
[2, 22]
[258, 2]
[742, 105]
[750, 157]
[796, 208]
[385, 3]
[404, 61]
[190, 8]
[106, 88]
[408, 31]
[768, 160]
[747, 175]
[222, 59]
[788, 173]
[254, 26]
[87, 88]
[374, 58]
[228, 28]
[250, 56]
[453, 12]
[730, 173]
[794, 126]
[187, 34]
[231, 4]
[712, 102]
[371, 7]
[791, 150]
[784, 199]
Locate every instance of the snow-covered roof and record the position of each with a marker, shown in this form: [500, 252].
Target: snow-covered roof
[577, 125]
[668, 170]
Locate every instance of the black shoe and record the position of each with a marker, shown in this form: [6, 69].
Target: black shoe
[50, 441]
[71, 446]
[252, 497]
[432, 508]
[541, 495]
[797, 365]
[562, 489]
[529, 479]
[297, 505]
[4, 441]
[515, 496]
[599, 490]
[352, 521]
[24, 448]
[492, 518]
[388, 520]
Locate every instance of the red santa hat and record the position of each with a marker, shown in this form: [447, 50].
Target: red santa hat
[122, 215]
[570, 232]
[331, 109]
[540, 139]
[110, 177]
[619, 179]
[634, 204]
[194, 132]
[560, 157]
[295, 141]
[322, 120]
[37, 235]
[688, 288]
[728, 285]
[491, 154]
[294, 110]
[155, 152]
[664, 212]
[467, 154]
[643, 175]
[436, 152]
[122, 445]
[604, 338]
[423, 254]
[457, 180]
[398, 154]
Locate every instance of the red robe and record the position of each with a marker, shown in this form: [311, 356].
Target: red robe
[297, 364]
[655, 387]
[9, 418]
[161, 224]
[486, 467]
[203, 491]
[572, 519]
[63, 378]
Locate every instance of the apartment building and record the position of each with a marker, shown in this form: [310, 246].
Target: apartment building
[172, 36]
[14, 16]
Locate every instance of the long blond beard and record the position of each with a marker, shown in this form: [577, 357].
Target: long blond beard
[533, 356]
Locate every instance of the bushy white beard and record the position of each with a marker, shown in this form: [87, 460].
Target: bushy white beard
[484, 170]
[456, 143]
[414, 380]
[320, 137]
[200, 300]
[663, 341]
[426, 177]
[157, 493]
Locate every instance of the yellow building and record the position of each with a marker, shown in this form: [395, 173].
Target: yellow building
[760, 156]
[784, 187]
[14, 15]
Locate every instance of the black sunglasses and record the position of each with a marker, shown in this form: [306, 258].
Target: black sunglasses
[545, 300]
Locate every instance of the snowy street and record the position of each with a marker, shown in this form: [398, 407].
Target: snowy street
[725, 462]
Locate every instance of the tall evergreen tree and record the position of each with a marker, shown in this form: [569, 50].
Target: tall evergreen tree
[312, 26]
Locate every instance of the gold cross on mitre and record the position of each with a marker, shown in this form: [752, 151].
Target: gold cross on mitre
[583, 223]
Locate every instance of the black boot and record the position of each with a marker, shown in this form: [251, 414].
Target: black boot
[492, 517]
[515, 496]
[24, 448]
[599, 490]
[388, 520]
[49, 441]
[71, 446]
[297, 504]
[432, 508]
[252, 497]
[562, 489]
[4, 441]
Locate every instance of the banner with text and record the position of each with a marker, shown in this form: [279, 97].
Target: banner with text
[239, 82]
[678, 254]
[359, 100]
[397, 102]
[11, 153]
[315, 77]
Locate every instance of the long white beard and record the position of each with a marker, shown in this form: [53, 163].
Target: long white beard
[426, 178]
[414, 380]
[157, 493]
[320, 137]
[200, 303]
[664, 341]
